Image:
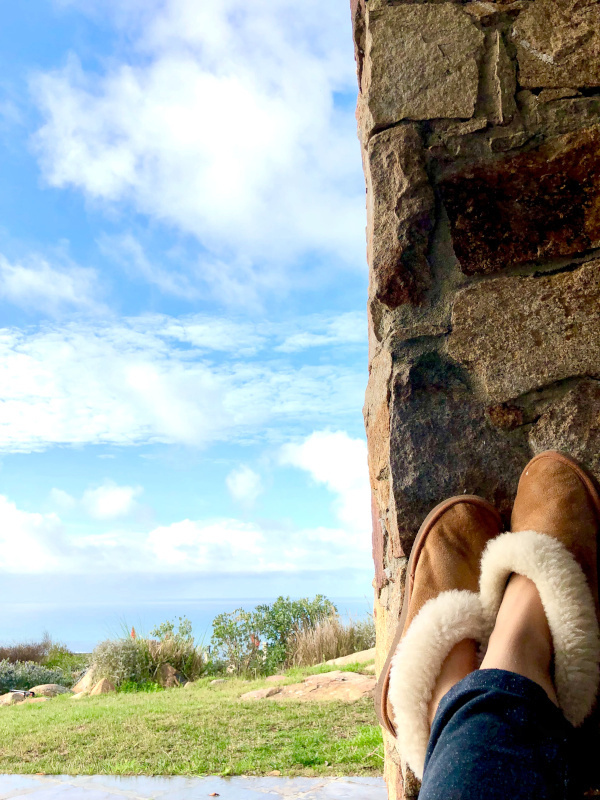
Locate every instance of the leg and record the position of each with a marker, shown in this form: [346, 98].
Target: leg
[521, 641]
[461, 660]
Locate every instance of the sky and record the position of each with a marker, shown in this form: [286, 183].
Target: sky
[182, 301]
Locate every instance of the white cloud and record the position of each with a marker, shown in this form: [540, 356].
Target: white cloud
[29, 542]
[221, 120]
[244, 485]
[155, 379]
[340, 463]
[111, 501]
[349, 328]
[36, 285]
[41, 543]
[62, 500]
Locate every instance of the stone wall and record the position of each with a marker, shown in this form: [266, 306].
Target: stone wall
[480, 132]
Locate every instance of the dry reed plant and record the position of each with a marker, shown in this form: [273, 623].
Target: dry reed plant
[331, 638]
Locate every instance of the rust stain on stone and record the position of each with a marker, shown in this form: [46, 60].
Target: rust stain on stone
[542, 203]
[505, 416]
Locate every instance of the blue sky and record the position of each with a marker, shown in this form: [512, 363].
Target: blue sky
[182, 295]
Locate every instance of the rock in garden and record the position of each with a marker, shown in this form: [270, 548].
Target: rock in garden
[261, 694]
[216, 681]
[49, 690]
[168, 677]
[86, 682]
[103, 687]
[11, 698]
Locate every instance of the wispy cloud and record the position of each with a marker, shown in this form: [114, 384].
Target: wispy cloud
[157, 379]
[227, 127]
[37, 285]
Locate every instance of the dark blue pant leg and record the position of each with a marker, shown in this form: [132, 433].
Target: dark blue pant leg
[497, 736]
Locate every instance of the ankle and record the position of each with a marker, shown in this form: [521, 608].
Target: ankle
[460, 662]
[521, 641]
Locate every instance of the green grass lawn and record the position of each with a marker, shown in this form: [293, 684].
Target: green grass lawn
[200, 730]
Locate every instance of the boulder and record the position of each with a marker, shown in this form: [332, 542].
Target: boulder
[341, 686]
[49, 690]
[168, 677]
[11, 698]
[79, 696]
[261, 694]
[36, 700]
[86, 682]
[217, 681]
[103, 687]
[276, 678]
[355, 658]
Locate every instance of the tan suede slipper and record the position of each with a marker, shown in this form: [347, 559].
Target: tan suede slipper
[555, 523]
[440, 608]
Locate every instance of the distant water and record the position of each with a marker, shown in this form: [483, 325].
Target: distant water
[81, 627]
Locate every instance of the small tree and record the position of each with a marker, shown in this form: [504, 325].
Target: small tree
[258, 640]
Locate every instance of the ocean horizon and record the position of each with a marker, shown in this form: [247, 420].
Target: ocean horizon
[82, 626]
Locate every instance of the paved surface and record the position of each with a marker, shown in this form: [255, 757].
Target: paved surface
[101, 787]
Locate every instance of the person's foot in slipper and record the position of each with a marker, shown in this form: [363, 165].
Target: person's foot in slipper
[539, 585]
[441, 623]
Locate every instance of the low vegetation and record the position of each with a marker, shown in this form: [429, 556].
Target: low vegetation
[197, 730]
[135, 660]
[248, 644]
[28, 664]
[329, 638]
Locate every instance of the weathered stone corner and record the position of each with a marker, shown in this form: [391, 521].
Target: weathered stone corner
[480, 132]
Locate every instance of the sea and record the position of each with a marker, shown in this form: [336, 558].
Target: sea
[82, 626]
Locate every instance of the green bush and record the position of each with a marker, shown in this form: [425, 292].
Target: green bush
[257, 641]
[127, 661]
[25, 674]
[175, 645]
[122, 660]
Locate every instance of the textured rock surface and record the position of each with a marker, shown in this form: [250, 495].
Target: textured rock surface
[498, 82]
[520, 334]
[443, 444]
[10, 699]
[539, 204]
[400, 215]
[572, 425]
[558, 43]
[49, 690]
[86, 683]
[484, 306]
[168, 677]
[421, 62]
[103, 687]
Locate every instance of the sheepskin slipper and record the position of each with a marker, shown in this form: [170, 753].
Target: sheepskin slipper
[444, 562]
[569, 605]
[441, 624]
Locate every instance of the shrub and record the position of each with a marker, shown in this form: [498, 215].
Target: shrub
[27, 651]
[175, 645]
[329, 638]
[25, 674]
[129, 662]
[258, 641]
[121, 660]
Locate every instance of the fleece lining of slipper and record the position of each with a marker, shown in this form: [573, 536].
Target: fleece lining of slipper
[442, 623]
[569, 607]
